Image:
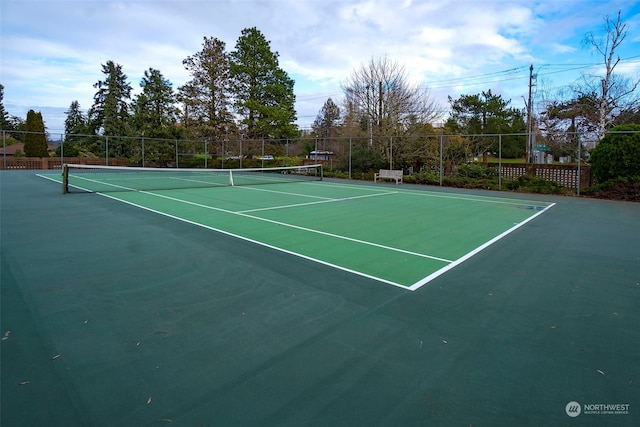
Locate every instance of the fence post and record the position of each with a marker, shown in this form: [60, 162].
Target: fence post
[206, 154]
[441, 169]
[286, 158]
[500, 162]
[350, 152]
[4, 149]
[579, 163]
[61, 150]
[530, 169]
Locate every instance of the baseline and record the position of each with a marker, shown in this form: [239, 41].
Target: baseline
[475, 251]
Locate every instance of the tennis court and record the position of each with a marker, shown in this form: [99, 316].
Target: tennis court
[400, 237]
[315, 303]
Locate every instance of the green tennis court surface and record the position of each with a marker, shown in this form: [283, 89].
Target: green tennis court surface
[399, 237]
[113, 315]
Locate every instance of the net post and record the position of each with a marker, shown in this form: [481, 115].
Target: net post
[65, 179]
[321, 173]
[230, 177]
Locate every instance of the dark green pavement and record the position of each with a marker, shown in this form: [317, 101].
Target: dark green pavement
[159, 322]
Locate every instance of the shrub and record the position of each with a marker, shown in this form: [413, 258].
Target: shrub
[364, 159]
[618, 154]
[530, 184]
[616, 189]
[69, 150]
[335, 174]
[476, 171]
[425, 178]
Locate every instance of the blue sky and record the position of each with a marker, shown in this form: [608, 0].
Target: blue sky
[52, 51]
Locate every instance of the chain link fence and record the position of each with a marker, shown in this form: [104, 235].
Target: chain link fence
[429, 158]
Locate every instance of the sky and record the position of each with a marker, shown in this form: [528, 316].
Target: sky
[51, 51]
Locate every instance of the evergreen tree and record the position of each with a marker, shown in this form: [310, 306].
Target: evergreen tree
[565, 121]
[154, 110]
[206, 96]
[618, 154]
[4, 116]
[327, 121]
[263, 92]
[110, 110]
[75, 126]
[488, 114]
[76, 121]
[35, 140]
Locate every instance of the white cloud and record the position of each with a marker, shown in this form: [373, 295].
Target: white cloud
[561, 48]
[52, 50]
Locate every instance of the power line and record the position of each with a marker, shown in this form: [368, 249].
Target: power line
[501, 76]
[510, 71]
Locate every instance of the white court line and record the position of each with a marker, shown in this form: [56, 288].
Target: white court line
[343, 199]
[86, 179]
[465, 257]
[417, 285]
[319, 261]
[288, 193]
[212, 184]
[420, 193]
[450, 263]
[297, 227]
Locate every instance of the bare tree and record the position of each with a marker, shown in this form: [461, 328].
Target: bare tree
[615, 92]
[380, 93]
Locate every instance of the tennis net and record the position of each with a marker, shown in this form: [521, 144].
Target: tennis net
[100, 179]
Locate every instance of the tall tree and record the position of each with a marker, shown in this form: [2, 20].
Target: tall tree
[382, 103]
[110, 111]
[154, 110]
[263, 91]
[488, 114]
[4, 116]
[35, 140]
[327, 121]
[206, 96]
[76, 121]
[10, 123]
[388, 104]
[615, 93]
[564, 122]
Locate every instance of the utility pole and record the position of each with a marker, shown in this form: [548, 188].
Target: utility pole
[370, 114]
[529, 118]
[380, 107]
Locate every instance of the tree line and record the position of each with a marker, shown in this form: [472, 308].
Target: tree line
[379, 101]
[244, 90]
[241, 91]
[245, 93]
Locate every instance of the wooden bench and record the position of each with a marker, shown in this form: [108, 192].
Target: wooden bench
[389, 174]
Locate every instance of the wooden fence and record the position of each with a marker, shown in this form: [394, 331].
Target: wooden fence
[565, 175]
[16, 163]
